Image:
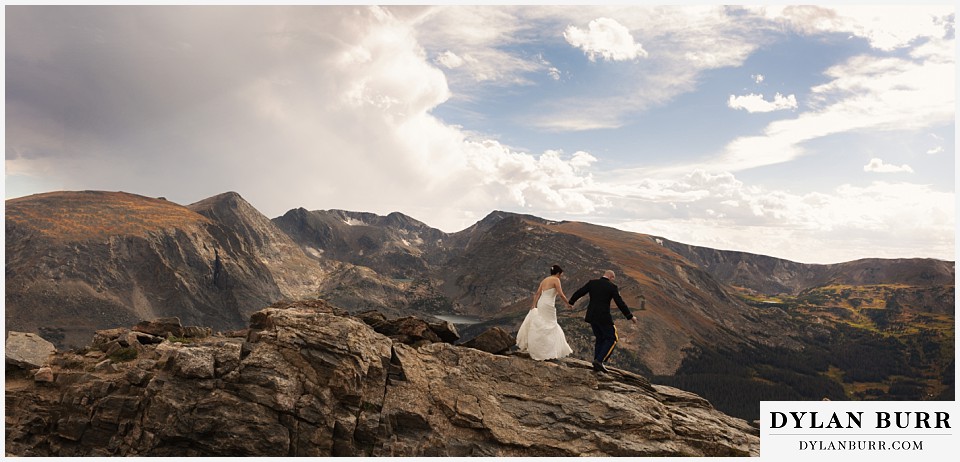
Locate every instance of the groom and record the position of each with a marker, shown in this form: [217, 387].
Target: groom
[601, 291]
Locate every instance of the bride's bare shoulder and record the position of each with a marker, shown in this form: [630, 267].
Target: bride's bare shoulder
[549, 282]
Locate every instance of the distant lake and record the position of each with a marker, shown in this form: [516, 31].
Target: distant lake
[457, 319]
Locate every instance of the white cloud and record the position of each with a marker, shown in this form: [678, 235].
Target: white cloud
[449, 60]
[758, 78]
[605, 38]
[490, 66]
[878, 166]
[936, 149]
[552, 71]
[547, 182]
[755, 103]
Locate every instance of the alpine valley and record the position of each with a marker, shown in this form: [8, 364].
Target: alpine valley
[733, 327]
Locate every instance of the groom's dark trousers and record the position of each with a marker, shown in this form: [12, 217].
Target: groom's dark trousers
[606, 335]
[601, 292]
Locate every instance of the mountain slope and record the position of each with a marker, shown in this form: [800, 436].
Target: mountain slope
[396, 245]
[82, 261]
[769, 275]
[265, 252]
[685, 305]
[388, 263]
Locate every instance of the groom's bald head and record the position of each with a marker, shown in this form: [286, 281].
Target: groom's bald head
[609, 275]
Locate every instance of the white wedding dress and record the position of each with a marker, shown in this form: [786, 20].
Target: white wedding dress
[540, 336]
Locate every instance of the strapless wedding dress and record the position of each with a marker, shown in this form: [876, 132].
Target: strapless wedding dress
[540, 336]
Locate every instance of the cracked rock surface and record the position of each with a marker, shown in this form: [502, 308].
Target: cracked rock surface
[309, 380]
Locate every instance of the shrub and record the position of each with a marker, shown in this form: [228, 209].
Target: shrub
[123, 355]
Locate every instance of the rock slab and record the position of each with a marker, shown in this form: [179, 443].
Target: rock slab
[27, 350]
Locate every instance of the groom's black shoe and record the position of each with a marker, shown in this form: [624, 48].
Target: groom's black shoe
[599, 367]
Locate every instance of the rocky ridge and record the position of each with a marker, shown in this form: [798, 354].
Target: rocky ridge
[307, 379]
[769, 275]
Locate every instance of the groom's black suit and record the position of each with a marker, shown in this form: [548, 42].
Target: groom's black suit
[601, 292]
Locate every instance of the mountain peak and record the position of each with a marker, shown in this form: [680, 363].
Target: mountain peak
[405, 221]
[228, 199]
[499, 215]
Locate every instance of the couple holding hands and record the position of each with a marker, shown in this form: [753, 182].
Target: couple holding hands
[541, 336]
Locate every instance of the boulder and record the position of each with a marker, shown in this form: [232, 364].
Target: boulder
[103, 337]
[409, 330]
[194, 362]
[44, 374]
[161, 327]
[446, 330]
[372, 317]
[27, 350]
[494, 340]
[195, 332]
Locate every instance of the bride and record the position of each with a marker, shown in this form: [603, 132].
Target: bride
[540, 335]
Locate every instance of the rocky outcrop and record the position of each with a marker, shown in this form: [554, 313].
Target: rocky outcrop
[306, 379]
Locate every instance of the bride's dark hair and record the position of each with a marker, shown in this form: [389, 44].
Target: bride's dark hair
[555, 270]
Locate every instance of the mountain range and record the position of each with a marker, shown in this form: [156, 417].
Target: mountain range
[78, 262]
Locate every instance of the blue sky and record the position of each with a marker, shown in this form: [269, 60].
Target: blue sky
[813, 133]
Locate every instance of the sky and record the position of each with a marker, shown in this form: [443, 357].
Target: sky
[818, 134]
